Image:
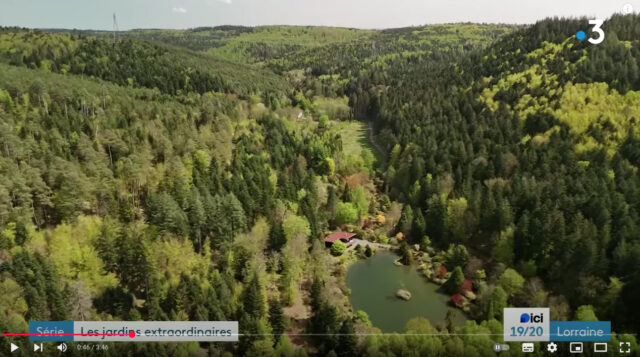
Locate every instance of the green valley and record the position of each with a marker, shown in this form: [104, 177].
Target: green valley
[195, 175]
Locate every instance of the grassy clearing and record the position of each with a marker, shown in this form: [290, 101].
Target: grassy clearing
[355, 140]
[354, 137]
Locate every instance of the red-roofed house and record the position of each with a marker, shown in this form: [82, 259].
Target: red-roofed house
[343, 236]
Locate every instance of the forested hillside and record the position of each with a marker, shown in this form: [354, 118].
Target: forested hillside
[526, 153]
[138, 203]
[174, 175]
[133, 63]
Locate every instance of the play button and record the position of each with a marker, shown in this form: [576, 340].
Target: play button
[13, 347]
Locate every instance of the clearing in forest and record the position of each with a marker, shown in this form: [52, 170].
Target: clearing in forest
[356, 140]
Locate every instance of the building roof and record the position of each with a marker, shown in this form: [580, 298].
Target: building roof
[343, 236]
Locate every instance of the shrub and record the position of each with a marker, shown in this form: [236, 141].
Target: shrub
[346, 213]
[338, 248]
[368, 251]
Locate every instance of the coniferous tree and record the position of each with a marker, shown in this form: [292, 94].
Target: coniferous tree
[347, 341]
[452, 285]
[254, 299]
[276, 319]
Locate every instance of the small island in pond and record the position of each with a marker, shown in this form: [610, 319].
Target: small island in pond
[403, 294]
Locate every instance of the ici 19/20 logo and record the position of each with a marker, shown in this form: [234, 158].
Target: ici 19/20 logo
[531, 318]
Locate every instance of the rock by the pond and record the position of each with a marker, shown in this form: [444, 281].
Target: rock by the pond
[403, 294]
[469, 295]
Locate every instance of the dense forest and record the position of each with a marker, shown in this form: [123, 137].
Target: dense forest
[192, 175]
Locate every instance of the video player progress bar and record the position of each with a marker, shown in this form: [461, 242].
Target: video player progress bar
[132, 334]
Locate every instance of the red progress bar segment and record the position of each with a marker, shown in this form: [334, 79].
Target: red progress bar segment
[131, 334]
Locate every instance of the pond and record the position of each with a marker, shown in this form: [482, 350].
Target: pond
[374, 282]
